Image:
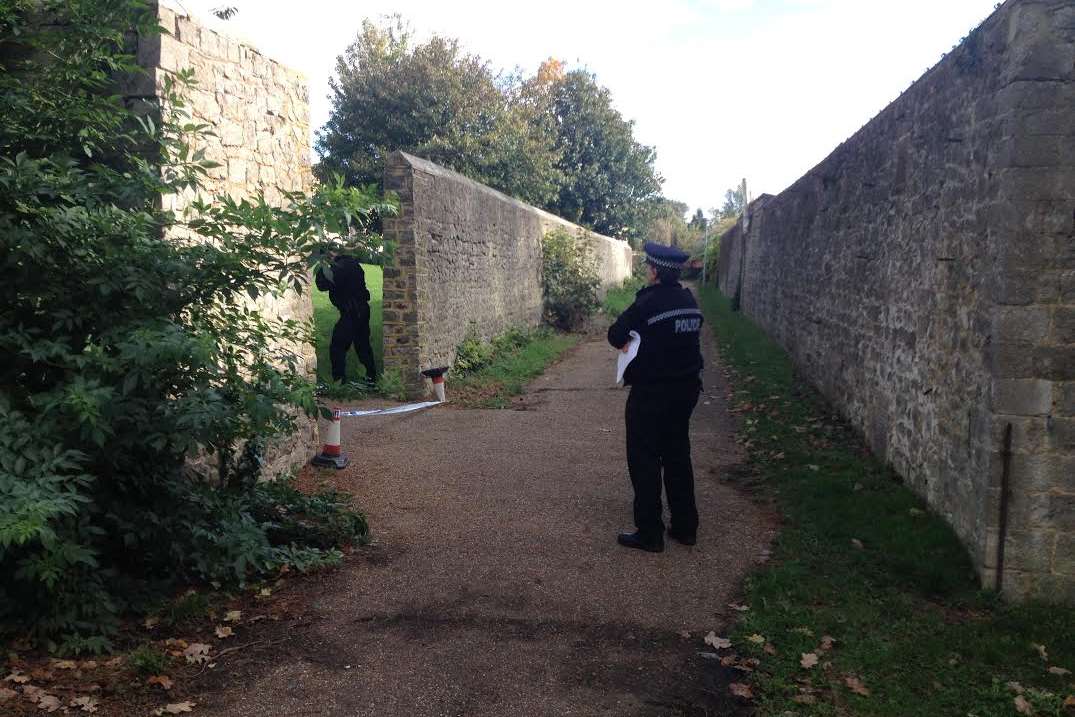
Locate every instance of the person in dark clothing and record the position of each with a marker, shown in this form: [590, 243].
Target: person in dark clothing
[346, 287]
[665, 380]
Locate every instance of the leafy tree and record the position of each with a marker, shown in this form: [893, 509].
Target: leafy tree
[124, 352]
[734, 204]
[435, 101]
[607, 175]
[569, 280]
[698, 222]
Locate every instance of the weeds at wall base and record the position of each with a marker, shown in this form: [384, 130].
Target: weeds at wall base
[861, 561]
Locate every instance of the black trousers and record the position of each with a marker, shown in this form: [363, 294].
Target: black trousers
[658, 442]
[353, 327]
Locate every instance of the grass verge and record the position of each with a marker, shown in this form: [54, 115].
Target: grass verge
[616, 300]
[862, 560]
[325, 316]
[512, 366]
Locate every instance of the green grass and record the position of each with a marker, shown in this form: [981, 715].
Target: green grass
[905, 608]
[513, 365]
[620, 298]
[325, 316]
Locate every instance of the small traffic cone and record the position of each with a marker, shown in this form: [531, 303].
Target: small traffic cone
[331, 455]
[436, 375]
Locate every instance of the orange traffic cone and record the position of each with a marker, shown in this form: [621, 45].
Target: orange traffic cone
[331, 455]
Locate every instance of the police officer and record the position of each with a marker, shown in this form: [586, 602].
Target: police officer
[665, 380]
[348, 293]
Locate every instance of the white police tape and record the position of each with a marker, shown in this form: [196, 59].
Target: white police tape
[406, 408]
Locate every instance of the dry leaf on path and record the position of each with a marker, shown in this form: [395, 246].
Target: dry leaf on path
[855, 685]
[808, 660]
[719, 643]
[233, 615]
[6, 694]
[1069, 702]
[151, 622]
[86, 704]
[163, 680]
[115, 661]
[18, 678]
[740, 690]
[827, 642]
[197, 653]
[222, 631]
[1042, 652]
[757, 639]
[49, 703]
[1059, 671]
[1022, 706]
[65, 664]
[175, 708]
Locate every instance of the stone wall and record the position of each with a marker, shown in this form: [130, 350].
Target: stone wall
[923, 277]
[466, 256]
[259, 115]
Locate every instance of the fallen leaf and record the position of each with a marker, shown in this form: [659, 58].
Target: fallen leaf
[175, 708]
[757, 639]
[233, 615]
[857, 543]
[740, 690]
[86, 704]
[18, 678]
[223, 631]
[803, 631]
[737, 607]
[151, 622]
[813, 467]
[827, 641]
[65, 665]
[769, 649]
[49, 703]
[89, 665]
[42, 675]
[719, 643]
[1069, 702]
[804, 699]
[32, 692]
[1022, 706]
[858, 487]
[6, 694]
[855, 685]
[172, 642]
[1015, 687]
[728, 660]
[115, 661]
[1059, 671]
[808, 660]
[197, 653]
[1041, 651]
[163, 680]
[264, 592]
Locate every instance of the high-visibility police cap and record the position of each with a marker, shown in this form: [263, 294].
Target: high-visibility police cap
[665, 257]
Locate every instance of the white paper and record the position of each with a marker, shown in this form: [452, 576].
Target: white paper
[626, 357]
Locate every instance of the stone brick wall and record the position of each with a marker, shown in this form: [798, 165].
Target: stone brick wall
[259, 114]
[466, 255]
[923, 277]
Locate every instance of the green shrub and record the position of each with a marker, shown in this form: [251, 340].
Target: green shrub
[472, 353]
[122, 352]
[569, 280]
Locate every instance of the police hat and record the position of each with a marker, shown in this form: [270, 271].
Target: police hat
[665, 257]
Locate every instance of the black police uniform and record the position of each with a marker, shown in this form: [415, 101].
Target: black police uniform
[665, 380]
[348, 293]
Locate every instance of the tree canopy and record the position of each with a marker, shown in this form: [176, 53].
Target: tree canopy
[434, 100]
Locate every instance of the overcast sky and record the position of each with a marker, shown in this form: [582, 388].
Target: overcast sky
[724, 89]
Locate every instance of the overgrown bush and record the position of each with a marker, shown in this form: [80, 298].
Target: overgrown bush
[475, 353]
[123, 352]
[569, 280]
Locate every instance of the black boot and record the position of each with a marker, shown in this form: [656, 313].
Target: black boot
[682, 538]
[635, 540]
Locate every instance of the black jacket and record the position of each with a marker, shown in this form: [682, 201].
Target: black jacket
[347, 289]
[669, 321]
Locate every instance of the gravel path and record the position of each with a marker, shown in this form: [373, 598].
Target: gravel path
[495, 586]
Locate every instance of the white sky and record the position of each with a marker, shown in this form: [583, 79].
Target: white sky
[724, 89]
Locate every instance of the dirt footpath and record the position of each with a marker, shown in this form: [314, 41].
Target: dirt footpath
[495, 585]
